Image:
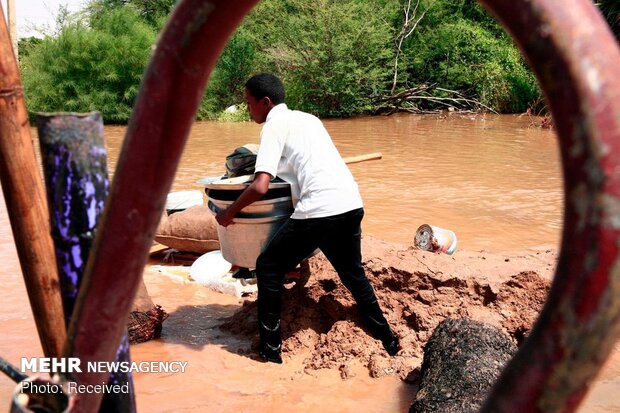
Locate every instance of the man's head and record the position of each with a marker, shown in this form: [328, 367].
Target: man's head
[262, 92]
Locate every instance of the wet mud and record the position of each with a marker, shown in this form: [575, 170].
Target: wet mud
[417, 290]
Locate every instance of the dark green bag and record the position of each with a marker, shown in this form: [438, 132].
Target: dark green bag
[241, 162]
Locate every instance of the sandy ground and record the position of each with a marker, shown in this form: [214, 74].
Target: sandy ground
[330, 362]
[417, 290]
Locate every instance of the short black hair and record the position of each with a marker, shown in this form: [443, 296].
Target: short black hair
[266, 84]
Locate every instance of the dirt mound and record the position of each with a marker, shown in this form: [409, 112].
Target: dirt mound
[416, 290]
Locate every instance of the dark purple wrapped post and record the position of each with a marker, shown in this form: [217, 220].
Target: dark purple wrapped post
[75, 168]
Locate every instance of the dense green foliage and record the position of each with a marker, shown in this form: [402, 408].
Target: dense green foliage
[154, 12]
[27, 44]
[337, 58]
[463, 55]
[90, 68]
[332, 55]
[235, 66]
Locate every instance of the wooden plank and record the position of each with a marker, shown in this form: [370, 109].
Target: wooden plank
[156, 248]
[361, 158]
[23, 193]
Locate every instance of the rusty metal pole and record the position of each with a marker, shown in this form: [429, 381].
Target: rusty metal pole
[74, 161]
[11, 371]
[170, 93]
[23, 193]
[576, 59]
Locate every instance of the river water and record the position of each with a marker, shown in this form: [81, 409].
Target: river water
[494, 180]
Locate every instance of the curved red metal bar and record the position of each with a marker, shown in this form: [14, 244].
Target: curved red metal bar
[577, 61]
[165, 109]
[574, 57]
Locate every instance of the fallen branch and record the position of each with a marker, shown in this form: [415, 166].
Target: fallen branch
[408, 100]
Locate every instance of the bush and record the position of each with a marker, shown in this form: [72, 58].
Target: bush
[333, 56]
[462, 55]
[234, 67]
[27, 44]
[153, 12]
[241, 114]
[87, 68]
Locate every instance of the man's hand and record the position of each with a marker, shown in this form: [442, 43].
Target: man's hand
[224, 217]
[257, 189]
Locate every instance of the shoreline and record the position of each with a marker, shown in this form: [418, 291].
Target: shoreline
[324, 343]
[223, 374]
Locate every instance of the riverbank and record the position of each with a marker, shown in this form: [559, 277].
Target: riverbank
[327, 355]
[494, 180]
[416, 290]
[330, 363]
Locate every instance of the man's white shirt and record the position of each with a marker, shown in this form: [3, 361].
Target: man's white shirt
[296, 147]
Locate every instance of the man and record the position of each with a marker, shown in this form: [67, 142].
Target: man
[328, 211]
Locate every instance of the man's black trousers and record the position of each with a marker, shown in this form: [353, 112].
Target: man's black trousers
[339, 238]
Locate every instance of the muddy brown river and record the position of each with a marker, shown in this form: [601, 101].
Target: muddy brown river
[493, 180]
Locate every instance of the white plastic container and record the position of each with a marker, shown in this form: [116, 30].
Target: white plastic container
[181, 200]
[435, 239]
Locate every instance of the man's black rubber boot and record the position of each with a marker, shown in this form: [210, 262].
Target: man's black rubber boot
[270, 354]
[270, 348]
[379, 327]
[392, 346]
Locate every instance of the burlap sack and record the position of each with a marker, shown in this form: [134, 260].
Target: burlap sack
[194, 230]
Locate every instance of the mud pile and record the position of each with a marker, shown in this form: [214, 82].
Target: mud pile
[416, 290]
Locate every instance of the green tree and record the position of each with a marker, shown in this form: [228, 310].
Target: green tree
[336, 58]
[333, 56]
[154, 12]
[459, 47]
[27, 45]
[90, 68]
[233, 68]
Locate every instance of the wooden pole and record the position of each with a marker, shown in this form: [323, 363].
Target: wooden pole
[74, 161]
[361, 158]
[12, 17]
[23, 193]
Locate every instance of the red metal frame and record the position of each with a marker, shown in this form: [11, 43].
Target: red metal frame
[171, 90]
[576, 60]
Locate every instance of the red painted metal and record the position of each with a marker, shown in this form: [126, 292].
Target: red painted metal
[576, 59]
[170, 93]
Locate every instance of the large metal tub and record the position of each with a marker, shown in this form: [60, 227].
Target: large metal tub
[242, 241]
[259, 209]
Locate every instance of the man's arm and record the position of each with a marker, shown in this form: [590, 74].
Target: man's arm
[252, 193]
